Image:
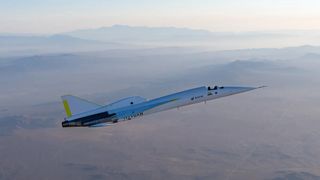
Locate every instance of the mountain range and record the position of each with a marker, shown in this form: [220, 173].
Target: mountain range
[132, 37]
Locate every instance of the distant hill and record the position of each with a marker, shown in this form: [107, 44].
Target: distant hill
[133, 37]
[15, 45]
[16, 39]
[143, 35]
[124, 33]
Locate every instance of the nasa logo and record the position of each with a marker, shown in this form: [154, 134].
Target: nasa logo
[197, 97]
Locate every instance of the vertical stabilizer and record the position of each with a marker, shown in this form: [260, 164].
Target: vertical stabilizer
[75, 105]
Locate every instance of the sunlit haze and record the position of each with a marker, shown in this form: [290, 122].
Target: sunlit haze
[166, 89]
[54, 16]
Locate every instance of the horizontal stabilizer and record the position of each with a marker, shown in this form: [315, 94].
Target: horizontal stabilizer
[75, 105]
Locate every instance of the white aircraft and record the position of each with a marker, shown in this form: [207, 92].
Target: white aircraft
[82, 113]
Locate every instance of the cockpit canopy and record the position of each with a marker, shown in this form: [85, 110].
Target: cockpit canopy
[215, 88]
[126, 102]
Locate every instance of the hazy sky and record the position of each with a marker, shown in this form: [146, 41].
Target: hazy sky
[52, 16]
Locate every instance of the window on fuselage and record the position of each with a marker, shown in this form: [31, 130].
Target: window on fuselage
[214, 88]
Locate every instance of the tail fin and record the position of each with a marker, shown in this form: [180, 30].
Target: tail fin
[74, 105]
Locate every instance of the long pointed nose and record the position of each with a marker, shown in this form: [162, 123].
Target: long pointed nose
[236, 90]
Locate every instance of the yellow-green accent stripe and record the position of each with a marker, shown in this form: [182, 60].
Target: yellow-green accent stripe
[67, 108]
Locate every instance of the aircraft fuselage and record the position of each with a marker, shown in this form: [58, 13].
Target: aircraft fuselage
[108, 115]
